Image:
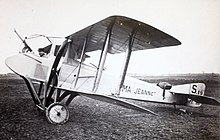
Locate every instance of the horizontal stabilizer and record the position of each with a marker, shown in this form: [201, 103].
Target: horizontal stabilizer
[201, 99]
[110, 99]
[204, 99]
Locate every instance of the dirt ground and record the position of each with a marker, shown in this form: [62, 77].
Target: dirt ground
[91, 119]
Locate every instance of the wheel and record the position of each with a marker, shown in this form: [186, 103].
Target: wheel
[57, 113]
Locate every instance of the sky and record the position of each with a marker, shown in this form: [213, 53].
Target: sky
[195, 23]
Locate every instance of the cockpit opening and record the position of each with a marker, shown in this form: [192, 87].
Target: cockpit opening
[45, 50]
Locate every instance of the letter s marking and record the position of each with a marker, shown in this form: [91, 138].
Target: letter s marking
[194, 89]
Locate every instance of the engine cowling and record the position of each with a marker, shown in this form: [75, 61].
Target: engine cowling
[164, 85]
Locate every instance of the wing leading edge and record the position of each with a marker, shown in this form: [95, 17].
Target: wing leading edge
[121, 28]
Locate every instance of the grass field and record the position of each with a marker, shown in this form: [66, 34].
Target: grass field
[91, 119]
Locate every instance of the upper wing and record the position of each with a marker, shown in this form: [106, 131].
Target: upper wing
[146, 36]
[110, 99]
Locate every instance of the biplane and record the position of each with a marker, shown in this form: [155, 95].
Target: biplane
[61, 74]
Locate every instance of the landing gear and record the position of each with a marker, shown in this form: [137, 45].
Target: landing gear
[57, 113]
[54, 101]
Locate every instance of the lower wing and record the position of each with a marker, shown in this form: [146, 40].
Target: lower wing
[110, 99]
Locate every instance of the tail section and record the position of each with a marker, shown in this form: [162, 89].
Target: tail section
[196, 89]
[190, 90]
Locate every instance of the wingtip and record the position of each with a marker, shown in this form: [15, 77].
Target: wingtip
[178, 42]
[153, 113]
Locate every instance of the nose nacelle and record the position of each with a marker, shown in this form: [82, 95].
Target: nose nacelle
[28, 65]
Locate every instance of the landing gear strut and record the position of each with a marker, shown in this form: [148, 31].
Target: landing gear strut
[55, 107]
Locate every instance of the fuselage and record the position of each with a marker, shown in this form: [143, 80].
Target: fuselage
[39, 69]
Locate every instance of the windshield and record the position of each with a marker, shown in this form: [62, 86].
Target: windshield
[40, 45]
